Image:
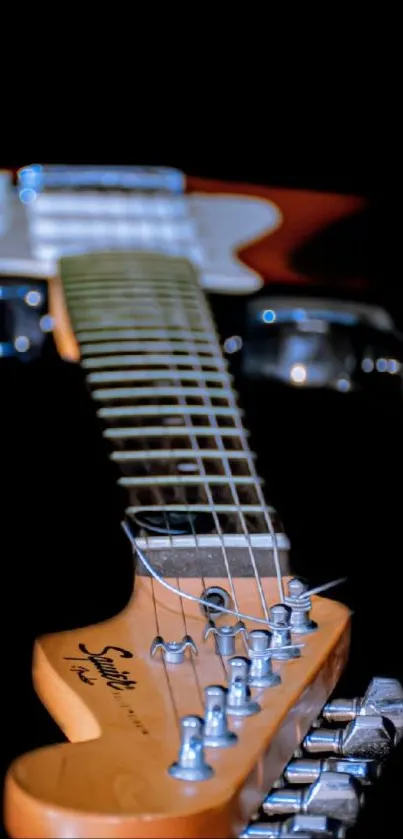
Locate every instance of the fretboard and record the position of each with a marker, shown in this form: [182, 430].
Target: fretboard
[156, 372]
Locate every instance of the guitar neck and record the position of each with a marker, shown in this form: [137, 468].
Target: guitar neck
[156, 372]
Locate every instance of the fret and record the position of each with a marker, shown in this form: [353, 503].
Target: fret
[172, 454]
[145, 346]
[105, 321]
[174, 335]
[186, 480]
[156, 372]
[151, 361]
[164, 410]
[166, 431]
[109, 377]
[107, 291]
[158, 392]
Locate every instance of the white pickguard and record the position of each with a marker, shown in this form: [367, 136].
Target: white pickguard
[206, 229]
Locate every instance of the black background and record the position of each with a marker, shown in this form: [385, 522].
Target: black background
[332, 465]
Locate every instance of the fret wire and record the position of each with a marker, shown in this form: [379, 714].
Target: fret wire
[164, 410]
[151, 360]
[178, 454]
[106, 394]
[158, 431]
[145, 375]
[148, 334]
[107, 347]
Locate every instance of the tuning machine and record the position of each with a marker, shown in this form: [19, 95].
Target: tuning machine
[224, 636]
[301, 826]
[365, 737]
[308, 770]
[300, 603]
[191, 764]
[335, 795]
[260, 654]
[384, 697]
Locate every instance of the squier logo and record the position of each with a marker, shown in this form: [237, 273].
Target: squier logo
[105, 666]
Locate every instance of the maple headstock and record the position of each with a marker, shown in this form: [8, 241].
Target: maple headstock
[120, 707]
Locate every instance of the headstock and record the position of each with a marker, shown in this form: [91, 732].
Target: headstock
[122, 707]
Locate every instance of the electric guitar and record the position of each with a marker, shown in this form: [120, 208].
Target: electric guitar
[184, 712]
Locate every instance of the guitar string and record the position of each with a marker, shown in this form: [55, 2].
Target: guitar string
[159, 497]
[170, 689]
[228, 471]
[174, 370]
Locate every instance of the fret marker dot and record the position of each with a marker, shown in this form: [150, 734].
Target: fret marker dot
[187, 467]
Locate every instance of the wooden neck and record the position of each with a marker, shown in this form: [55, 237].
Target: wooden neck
[155, 369]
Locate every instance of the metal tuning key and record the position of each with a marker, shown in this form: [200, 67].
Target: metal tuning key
[384, 697]
[191, 764]
[280, 626]
[301, 826]
[259, 651]
[333, 794]
[300, 603]
[224, 636]
[216, 733]
[173, 651]
[239, 701]
[364, 737]
[308, 770]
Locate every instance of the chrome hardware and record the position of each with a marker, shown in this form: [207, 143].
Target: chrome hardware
[224, 636]
[280, 626]
[307, 771]
[367, 737]
[300, 604]
[191, 765]
[173, 651]
[216, 733]
[239, 702]
[383, 697]
[261, 671]
[301, 826]
[333, 794]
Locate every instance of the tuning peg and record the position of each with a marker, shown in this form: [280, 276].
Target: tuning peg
[307, 771]
[364, 737]
[259, 651]
[383, 697]
[216, 734]
[173, 651]
[333, 794]
[239, 702]
[224, 636]
[191, 765]
[300, 826]
[300, 604]
[280, 626]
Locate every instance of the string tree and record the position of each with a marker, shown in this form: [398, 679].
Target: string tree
[173, 652]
